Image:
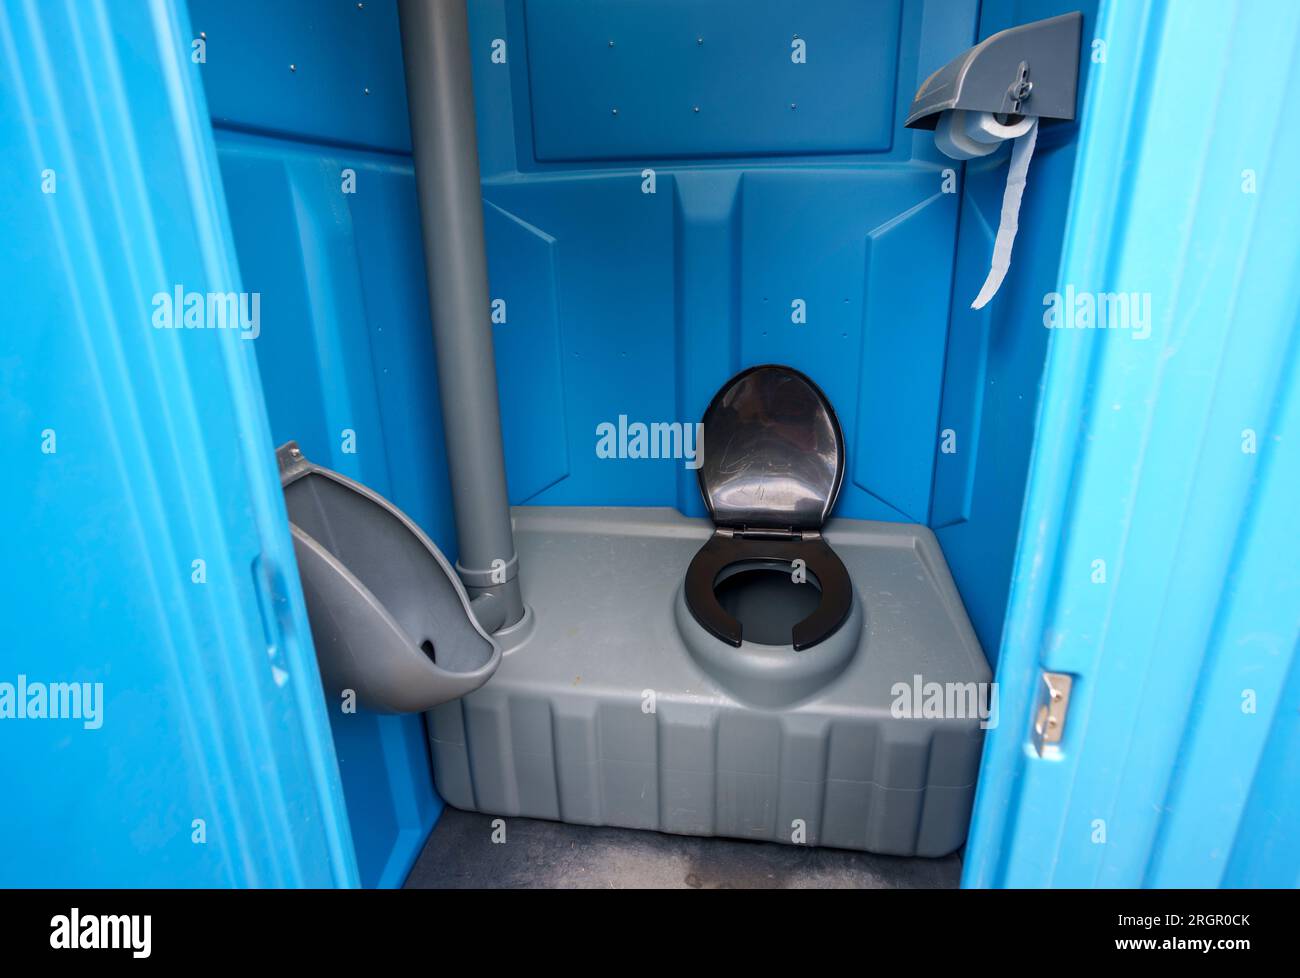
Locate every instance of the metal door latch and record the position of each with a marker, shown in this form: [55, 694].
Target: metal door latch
[1049, 715]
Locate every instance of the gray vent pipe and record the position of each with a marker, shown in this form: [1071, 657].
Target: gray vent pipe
[439, 93]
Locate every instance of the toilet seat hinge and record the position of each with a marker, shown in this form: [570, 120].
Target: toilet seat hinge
[767, 532]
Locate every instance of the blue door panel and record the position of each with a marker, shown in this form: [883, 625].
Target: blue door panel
[1158, 567]
[147, 553]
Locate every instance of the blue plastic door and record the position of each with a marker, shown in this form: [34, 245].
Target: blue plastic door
[1157, 565]
[161, 718]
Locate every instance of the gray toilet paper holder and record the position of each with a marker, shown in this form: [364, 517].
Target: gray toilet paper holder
[1030, 70]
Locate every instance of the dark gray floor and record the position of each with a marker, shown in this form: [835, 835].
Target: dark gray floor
[551, 855]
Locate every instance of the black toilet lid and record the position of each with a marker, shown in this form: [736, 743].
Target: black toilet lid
[773, 451]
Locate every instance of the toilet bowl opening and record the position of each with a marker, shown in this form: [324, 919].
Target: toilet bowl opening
[767, 600]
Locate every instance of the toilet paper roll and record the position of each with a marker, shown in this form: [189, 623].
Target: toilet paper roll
[983, 127]
[1021, 153]
[952, 138]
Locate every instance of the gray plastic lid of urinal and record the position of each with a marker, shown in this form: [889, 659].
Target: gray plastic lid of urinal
[773, 452]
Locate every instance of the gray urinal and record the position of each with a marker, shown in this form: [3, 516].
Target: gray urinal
[389, 617]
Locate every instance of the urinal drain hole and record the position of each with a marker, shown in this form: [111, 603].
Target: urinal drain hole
[427, 648]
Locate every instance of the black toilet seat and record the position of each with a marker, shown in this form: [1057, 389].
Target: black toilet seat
[725, 549]
[772, 468]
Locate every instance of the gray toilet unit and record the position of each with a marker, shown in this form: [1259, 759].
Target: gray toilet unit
[681, 675]
[763, 675]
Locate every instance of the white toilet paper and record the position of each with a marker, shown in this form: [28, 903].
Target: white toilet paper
[983, 127]
[1021, 153]
[953, 140]
[966, 135]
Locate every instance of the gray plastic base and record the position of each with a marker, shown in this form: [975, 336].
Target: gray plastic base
[606, 710]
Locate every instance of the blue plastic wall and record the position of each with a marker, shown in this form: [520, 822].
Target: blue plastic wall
[146, 553]
[673, 191]
[995, 355]
[792, 220]
[796, 190]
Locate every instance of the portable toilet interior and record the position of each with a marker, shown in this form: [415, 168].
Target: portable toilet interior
[666, 507]
[672, 193]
